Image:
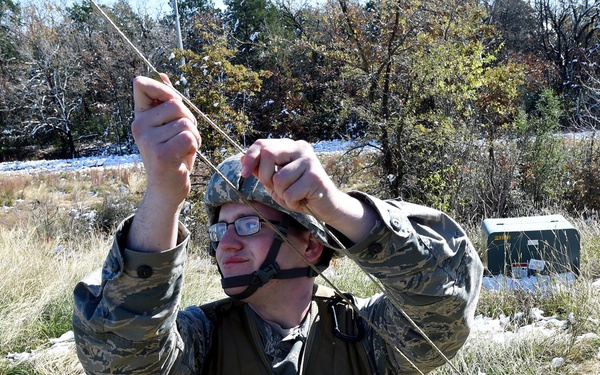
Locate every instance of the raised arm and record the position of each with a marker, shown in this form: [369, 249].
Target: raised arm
[125, 314]
[167, 136]
[431, 271]
[294, 176]
[423, 258]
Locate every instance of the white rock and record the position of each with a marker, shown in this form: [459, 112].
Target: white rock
[67, 336]
[587, 336]
[557, 362]
[18, 357]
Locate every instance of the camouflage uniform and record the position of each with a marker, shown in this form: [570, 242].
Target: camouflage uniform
[126, 317]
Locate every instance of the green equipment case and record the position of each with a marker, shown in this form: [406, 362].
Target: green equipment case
[524, 246]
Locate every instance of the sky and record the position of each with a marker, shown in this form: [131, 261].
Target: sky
[152, 7]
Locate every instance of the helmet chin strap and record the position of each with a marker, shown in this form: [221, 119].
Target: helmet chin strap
[268, 270]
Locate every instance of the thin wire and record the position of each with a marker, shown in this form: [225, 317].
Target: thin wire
[382, 290]
[311, 265]
[157, 76]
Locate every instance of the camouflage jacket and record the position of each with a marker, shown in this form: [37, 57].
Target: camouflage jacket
[127, 318]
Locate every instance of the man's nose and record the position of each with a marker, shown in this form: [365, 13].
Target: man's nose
[230, 240]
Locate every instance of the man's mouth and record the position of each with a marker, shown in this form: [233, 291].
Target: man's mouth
[234, 261]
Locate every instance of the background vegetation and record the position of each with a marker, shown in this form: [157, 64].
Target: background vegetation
[466, 103]
[443, 90]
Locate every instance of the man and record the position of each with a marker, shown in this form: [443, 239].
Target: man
[126, 320]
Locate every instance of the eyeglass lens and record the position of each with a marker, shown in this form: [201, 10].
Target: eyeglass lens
[244, 226]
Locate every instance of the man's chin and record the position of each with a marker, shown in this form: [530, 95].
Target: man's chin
[233, 291]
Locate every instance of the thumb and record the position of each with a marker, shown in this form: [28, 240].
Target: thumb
[148, 92]
[160, 77]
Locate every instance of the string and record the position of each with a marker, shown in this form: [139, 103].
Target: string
[156, 75]
[310, 264]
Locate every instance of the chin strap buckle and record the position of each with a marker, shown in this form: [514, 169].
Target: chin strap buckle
[265, 274]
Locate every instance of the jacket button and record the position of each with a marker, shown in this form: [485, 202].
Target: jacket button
[144, 272]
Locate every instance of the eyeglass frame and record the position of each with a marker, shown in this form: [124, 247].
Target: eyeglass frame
[237, 224]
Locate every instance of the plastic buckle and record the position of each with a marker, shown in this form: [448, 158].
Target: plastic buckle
[265, 274]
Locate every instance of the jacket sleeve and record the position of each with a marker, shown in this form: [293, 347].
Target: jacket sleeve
[125, 317]
[429, 270]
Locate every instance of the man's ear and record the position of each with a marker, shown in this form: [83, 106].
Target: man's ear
[314, 249]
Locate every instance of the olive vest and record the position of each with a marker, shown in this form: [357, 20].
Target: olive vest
[334, 344]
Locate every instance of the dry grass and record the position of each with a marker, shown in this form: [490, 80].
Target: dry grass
[202, 282]
[35, 291]
[519, 352]
[54, 229]
[49, 239]
[522, 355]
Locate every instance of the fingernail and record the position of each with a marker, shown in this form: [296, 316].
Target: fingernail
[244, 171]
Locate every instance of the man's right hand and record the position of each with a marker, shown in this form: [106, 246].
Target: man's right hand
[167, 136]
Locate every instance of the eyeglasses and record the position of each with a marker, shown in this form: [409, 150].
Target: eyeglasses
[244, 226]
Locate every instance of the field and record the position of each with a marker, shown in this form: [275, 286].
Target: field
[57, 227]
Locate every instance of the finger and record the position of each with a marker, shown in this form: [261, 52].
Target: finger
[266, 168]
[174, 150]
[181, 146]
[262, 159]
[159, 117]
[169, 111]
[250, 160]
[147, 92]
[160, 77]
[289, 184]
[298, 183]
[263, 150]
[165, 78]
[164, 133]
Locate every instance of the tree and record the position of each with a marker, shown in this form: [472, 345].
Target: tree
[118, 64]
[542, 166]
[9, 22]
[515, 21]
[70, 82]
[9, 11]
[583, 194]
[570, 37]
[417, 71]
[301, 97]
[189, 8]
[373, 42]
[248, 20]
[220, 88]
[498, 110]
[51, 86]
[107, 108]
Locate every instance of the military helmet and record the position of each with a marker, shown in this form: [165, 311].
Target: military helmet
[219, 192]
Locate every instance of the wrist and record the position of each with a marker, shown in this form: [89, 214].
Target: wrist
[353, 218]
[162, 203]
[155, 225]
